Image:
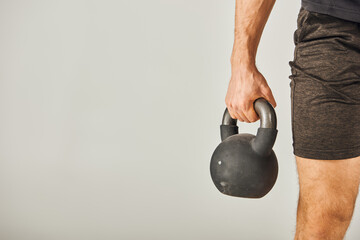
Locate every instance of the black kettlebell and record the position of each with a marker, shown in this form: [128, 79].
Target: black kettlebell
[244, 165]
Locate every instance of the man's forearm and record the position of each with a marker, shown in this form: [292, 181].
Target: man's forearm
[250, 19]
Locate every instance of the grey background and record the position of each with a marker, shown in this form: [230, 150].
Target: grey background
[109, 114]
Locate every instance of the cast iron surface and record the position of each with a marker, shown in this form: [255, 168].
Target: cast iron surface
[244, 165]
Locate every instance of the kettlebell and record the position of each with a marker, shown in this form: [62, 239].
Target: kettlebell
[244, 165]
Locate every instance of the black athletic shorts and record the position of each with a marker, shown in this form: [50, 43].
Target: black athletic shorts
[325, 87]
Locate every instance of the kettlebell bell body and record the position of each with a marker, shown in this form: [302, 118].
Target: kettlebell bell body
[244, 165]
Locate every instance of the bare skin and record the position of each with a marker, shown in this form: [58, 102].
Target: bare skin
[327, 188]
[327, 197]
[247, 83]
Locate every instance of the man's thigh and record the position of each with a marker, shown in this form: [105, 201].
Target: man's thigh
[328, 186]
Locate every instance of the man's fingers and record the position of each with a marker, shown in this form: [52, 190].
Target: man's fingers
[252, 115]
[243, 116]
[237, 115]
[233, 114]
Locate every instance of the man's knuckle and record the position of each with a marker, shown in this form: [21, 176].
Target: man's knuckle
[242, 106]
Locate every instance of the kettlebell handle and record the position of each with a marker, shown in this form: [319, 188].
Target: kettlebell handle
[266, 134]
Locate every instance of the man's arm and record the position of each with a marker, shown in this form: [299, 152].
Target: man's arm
[247, 83]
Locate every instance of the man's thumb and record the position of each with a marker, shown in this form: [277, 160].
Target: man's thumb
[270, 99]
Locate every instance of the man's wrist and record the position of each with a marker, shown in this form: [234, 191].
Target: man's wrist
[242, 56]
[243, 63]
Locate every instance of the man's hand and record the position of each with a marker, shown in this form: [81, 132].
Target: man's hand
[247, 84]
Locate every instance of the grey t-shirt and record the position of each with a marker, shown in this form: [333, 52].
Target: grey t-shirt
[344, 9]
